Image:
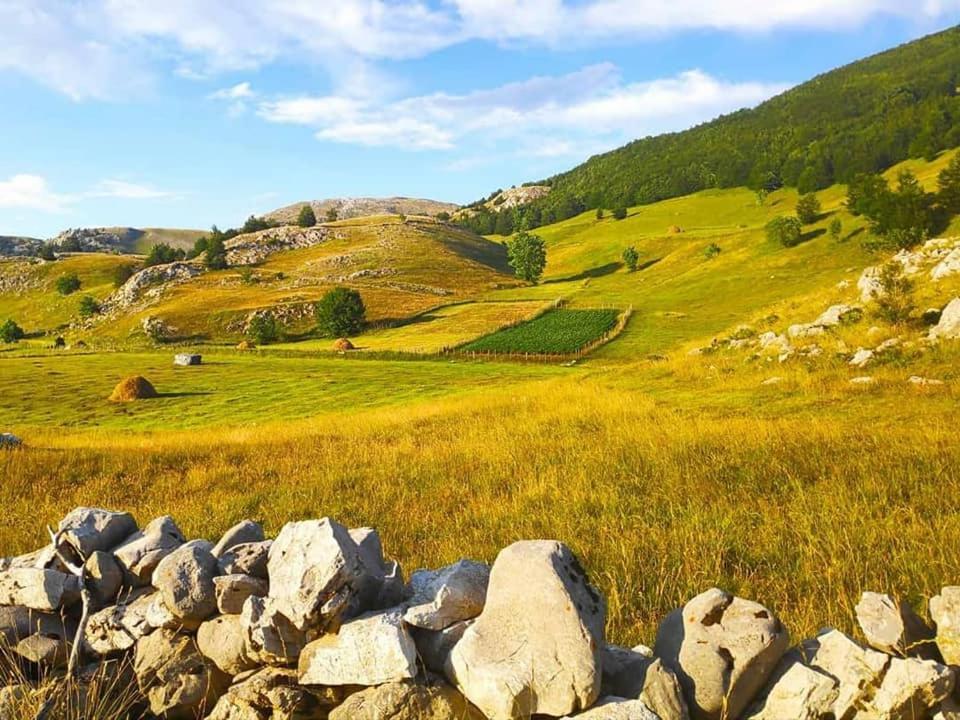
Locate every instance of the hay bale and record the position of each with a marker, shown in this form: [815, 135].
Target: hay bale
[674, 229]
[135, 387]
[245, 345]
[342, 345]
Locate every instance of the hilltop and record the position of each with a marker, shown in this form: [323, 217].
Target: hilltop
[125, 240]
[350, 208]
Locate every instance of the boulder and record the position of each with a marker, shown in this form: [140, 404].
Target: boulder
[839, 315]
[945, 613]
[856, 669]
[429, 699]
[178, 681]
[949, 265]
[723, 649]
[185, 581]
[385, 583]
[443, 597]
[616, 708]
[912, 688]
[372, 649]
[869, 284]
[224, 641]
[120, 626]
[38, 589]
[861, 358]
[232, 591]
[636, 674]
[186, 359]
[18, 622]
[245, 531]
[48, 651]
[796, 691]
[894, 628]
[9, 441]
[434, 646]
[140, 553]
[271, 637]
[246, 559]
[88, 530]
[160, 616]
[272, 694]
[533, 651]
[948, 328]
[104, 577]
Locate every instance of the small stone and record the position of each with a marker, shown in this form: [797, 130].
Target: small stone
[140, 553]
[104, 577]
[186, 359]
[443, 597]
[50, 651]
[245, 531]
[861, 358]
[862, 380]
[232, 591]
[18, 622]
[893, 627]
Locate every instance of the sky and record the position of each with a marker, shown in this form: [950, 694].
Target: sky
[188, 113]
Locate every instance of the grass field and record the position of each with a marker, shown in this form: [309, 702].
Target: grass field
[556, 332]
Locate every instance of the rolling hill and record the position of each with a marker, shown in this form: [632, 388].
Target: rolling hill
[125, 240]
[350, 208]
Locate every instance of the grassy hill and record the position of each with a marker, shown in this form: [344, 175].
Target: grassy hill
[350, 208]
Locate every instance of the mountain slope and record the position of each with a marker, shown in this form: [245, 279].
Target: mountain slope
[124, 240]
[349, 208]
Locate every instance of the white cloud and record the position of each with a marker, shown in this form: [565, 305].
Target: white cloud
[31, 192]
[240, 91]
[127, 191]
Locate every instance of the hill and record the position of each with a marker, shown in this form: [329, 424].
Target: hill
[864, 117]
[349, 208]
[13, 246]
[125, 240]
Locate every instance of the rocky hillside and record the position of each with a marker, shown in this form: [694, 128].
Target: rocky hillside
[506, 200]
[11, 246]
[348, 208]
[123, 240]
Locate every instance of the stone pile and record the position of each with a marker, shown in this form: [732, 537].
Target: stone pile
[319, 623]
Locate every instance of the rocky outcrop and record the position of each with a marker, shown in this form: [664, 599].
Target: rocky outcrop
[252, 248]
[150, 284]
[948, 327]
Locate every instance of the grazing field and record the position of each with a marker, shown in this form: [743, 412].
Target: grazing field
[556, 332]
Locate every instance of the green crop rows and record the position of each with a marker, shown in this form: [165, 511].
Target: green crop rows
[556, 332]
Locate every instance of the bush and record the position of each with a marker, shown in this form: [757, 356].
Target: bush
[836, 229]
[67, 284]
[443, 216]
[711, 251]
[10, 332]
[599, 213]
[340, 312]
[215, 256]
[620, 213]
[332, 215]
[895, 299]
[785, 230]
[246, 276]
[306, 217]
[631, 258]
[46, 252]
[162, 254]
[263, 329]
[256, 224]
[808, 209]
[89, 306]
[122, 273]
[527, 255]
[199, 248]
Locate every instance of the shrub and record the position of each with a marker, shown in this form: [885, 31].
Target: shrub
[895, 299]
[599, 213]
[711, 251]
[67, 284]
[340, 312]
[403, 218]
[443, 216]
[332, 215]
[808, 209]
[836, 229]
[89, 306]
[10, 332]
[631, 258]
[161, 254]
[306, 217]
[199, 248]
[215, 257]
[256, 224]
[246, 276]
[785, 230]
[620, 213]
[122, 273]
[263, 328]
[46, 252]
[527, 255]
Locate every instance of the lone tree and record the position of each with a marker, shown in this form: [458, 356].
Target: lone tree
[67, 284]
[340, 312]
[808, 209]
[785, 230]
[895, 299]
[527, 255]
[332, 215]
[215, 256]
[620, 213]
[89, 306]
[10, 332]
[262, 328]
[836, 229]
[631, 258]
[306, 218]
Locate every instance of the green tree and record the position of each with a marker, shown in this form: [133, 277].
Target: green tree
[836, 229]
[711, 251]
[332, 215]
[785, 230]
[46, 252]
[808, 209]
[10, 332]
[262, 328]
[599, 213]
[256, 224]
[340, 313]
[89, 306]
[504, 224]
[199, 247]
[443, 216]
[527, 255]
[762, 196]
[306, 217]
[67, 284]
[215, 256]
[894, 302]
[162, 254]
[631, 258]
[620, 213]
[949, 185]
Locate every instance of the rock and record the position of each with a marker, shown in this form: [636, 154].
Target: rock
[774, 342]
[140, 553]
[869, 284]
[945, 613]
[636, 674]
[88, 530]
[38, 589]
[245, 531]
[9, 441]
[723, 649]
[246, 559]
[49, 651]
[950, 265]
[386, 587]
[430, 699]
[13, 699]
[949, 326]
[911, 689]
[160, 616]
[271, 636]
[533, 652]
[796, 691]
[272, 693]
[839, 315]
[862, 380]
[894, 628]
[434, 646]
[443, 597]
[104, 577]
[185, 581]
[317, 576]
[924, 382]
[372, 649]
[772, 381]
[176, 678]
[861, 358]
[18, 622]
[857, 670]
[232, 591]
[223, 640]
[186, 359]
[120, 626]
[616, 708]
[805, 330]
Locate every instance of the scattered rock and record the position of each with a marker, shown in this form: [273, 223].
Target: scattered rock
[869, 284]
[133, 388]
[776, 380]
[232, 591]
[187, 359]
[140, 553]
[924, 382]
[443, 597]
[861, 358]
[243, 533]
[185, 581]
[862, 380]
[430, 699]
[950, 265]
[894, 628]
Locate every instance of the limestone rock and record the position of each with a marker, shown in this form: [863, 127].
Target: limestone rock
[430, 699]
[723, 649]
[949, 326]
[9, 441]
[18, 622]
[796, 691]
[120, 626]
[636, 674]
[104, 577]
[839, 315]
[443, 597]
[857, 670]
[372, 649]
[616, 708]
[223, 640]
[384, 586]
[187, 359]
[530, 651]
[49, 651]
[246, 559]
[232, 591]
[912, 688]
[185, 581]
[869, 284]
[38, 589]
[434, 646]
[945, 612]
[87, 530]
[894, 628]
[245, 531]
[861, 358]
[140, 553]
[272, 694]
[271, 637]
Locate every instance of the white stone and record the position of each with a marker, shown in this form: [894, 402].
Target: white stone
[912, 688]
[271, 636]
[246, 559]
[893, 627]
[858, 670]
[861, 358]
[443, 597]
[945, 613]
[87, 530]
[38, 589]
[245, 531]
[185, 581]
[140, 553]
[223, 640]
[118, 627]
[949, 326]
[232, 591]
[636, 674]
[797, 692]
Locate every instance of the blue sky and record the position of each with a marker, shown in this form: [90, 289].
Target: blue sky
[187, 113]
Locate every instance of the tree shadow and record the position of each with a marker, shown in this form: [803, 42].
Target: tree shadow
[812, 235]
[852, 235]
[595, 272]
[195, 393]
[648, 264]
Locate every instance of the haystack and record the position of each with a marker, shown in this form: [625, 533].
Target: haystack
[674, 229]
[134, 387]
[342, 345]
[245, 345]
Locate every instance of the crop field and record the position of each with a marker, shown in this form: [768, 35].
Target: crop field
[556, 332]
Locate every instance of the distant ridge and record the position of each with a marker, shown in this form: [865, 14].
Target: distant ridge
[348, 208]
